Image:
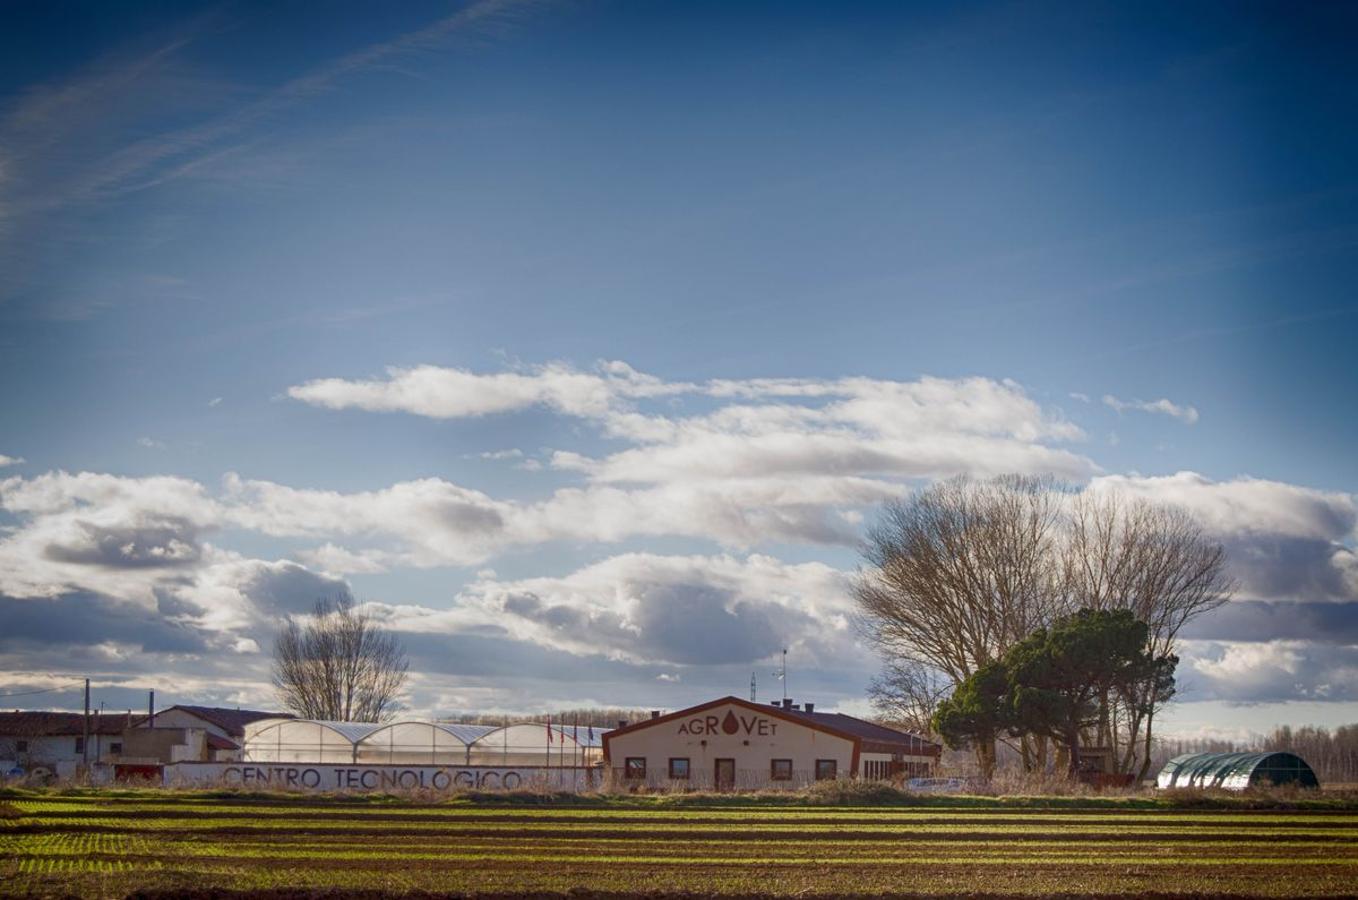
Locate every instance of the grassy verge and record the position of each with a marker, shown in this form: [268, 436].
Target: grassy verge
[831, 794]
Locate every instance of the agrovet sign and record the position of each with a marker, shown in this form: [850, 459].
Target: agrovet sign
[344, 777]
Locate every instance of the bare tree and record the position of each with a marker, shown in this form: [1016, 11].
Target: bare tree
[1155, 561]
[959, 572]
[907, 693]
[339, 665]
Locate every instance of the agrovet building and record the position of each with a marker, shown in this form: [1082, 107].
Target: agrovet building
[735, 744]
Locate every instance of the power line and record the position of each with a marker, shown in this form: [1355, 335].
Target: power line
[31, 693]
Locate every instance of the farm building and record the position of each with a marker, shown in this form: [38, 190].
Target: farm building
[191, 733]
[737, 744]
[421, 743]
[41, 743]
[54, 743]
[1236, 771]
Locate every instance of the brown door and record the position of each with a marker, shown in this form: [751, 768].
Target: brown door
[726, 774]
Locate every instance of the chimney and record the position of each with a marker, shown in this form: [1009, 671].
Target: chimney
[151, 709]
[775, 703]
[787, 704]
[655, 714]
[622, 723]
[810, 707]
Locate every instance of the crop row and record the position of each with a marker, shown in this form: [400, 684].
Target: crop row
[808, 856]
[835, 816]
[809, 876]
[741, 830]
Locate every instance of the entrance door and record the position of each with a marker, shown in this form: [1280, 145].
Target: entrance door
[726, 774]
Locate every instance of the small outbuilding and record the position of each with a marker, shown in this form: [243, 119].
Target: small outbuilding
[1237, 771]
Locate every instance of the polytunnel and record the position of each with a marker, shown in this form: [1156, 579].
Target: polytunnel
[416, 743]
[419, 744]
[538, 744]
[304, 740]
[1236, 771]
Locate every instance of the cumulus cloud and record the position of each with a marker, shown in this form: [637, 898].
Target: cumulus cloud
[783, 459]
[641, 607]
[1246, 505]
[1184, 413]
[1255, 672]
[450, 393]
[743, 464]
[1283, 541]
[96, 531]
[10, 460]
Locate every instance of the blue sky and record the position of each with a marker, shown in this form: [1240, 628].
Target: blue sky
[464, 304]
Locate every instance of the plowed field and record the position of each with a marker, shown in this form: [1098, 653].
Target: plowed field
[96, 846]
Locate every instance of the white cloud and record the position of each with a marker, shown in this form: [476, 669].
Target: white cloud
[513, 453]
[781, 459]
[1257, 672]
[128, 560]
[215, 401]
[1283, 541]
[151, 443]
[448, 393]
[10, 460]
[641, 607]
[1246, 505]
[1186, 414]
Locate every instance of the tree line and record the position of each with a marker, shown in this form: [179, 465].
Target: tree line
[974, 590]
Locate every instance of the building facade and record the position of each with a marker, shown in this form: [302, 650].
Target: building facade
[56, 744]
[734, 744]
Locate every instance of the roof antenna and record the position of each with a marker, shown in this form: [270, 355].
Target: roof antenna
[752, 688]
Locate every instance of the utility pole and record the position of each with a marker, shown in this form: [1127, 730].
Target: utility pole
[85, 741]
[782, 676]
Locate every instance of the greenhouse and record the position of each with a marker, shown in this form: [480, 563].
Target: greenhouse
[421, 743]
[1236, 771]
[537, 744]
[304, 740]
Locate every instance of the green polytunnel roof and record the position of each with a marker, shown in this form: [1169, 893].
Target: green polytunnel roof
[1236, 771]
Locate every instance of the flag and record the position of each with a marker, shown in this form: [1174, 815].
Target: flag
[575, 730]
[549, 729]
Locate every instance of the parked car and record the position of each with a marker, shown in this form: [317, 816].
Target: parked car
[936, 785]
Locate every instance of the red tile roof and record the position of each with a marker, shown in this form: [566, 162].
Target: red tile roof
[30, 723]
[217, 742]
[232, 721]
[870, 732]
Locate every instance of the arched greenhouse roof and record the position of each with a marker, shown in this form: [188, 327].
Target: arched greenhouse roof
[352, 732]
[1236, 771]
[418, 743]
[534, 734]
[401, 732]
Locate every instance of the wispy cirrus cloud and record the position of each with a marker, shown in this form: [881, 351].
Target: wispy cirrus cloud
[120, 120]
[1184, 413]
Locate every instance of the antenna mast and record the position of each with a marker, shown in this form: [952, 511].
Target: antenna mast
[752, 690]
